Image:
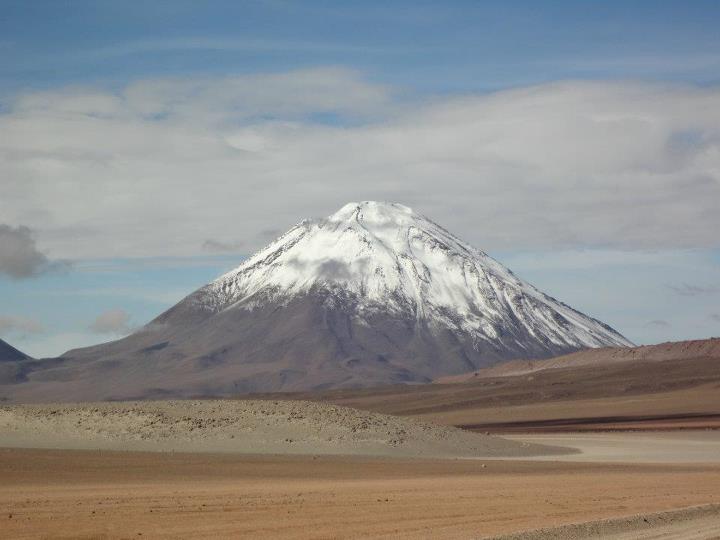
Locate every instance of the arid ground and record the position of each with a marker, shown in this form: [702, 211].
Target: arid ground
[623, 451]
[91, 494]
[634, 395]
[247, 427]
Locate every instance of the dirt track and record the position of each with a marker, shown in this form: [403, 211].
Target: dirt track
[694, 523]
[90, 494]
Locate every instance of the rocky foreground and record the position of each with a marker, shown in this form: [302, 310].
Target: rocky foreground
[263, 427]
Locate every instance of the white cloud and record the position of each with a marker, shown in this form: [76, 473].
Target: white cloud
[586, 259]
[224, 44]
[160, 166]
[113, 321]
[217, 246]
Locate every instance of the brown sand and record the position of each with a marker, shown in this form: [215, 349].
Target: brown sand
[103, 494]
[91, 494]
[262, 427]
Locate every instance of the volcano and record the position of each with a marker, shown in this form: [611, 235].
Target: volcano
[374, 294]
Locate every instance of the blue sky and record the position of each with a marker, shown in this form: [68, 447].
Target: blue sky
[420, 46]
[152, 145]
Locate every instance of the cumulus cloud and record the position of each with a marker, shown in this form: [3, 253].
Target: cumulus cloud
[113, 321]
[22, 326]
[660, 323]
[171, 163]
[19, 256]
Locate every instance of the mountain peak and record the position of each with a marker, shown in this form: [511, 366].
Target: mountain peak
[374, 212]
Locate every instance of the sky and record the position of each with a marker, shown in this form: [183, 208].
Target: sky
[147, 147]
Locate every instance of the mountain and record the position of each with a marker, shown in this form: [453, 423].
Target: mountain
[13, 365]
[8, 353]
[374, 294]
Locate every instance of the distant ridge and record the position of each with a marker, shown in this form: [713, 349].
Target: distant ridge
[672, 350]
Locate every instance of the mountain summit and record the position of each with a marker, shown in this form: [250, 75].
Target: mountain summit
[374, 294]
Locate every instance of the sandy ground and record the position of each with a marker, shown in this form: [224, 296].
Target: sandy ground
[262, 427]
[92, 494]
[206, 479]
[634, 447]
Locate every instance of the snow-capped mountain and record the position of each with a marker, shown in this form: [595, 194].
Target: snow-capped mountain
[373, 294]
[391, 260]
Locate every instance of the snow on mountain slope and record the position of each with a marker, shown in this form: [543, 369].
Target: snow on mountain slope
[396, 261]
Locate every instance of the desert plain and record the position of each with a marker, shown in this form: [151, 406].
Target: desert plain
[624, 451]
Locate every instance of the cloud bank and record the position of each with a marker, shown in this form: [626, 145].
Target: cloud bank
[214, 246]
[169, 163]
